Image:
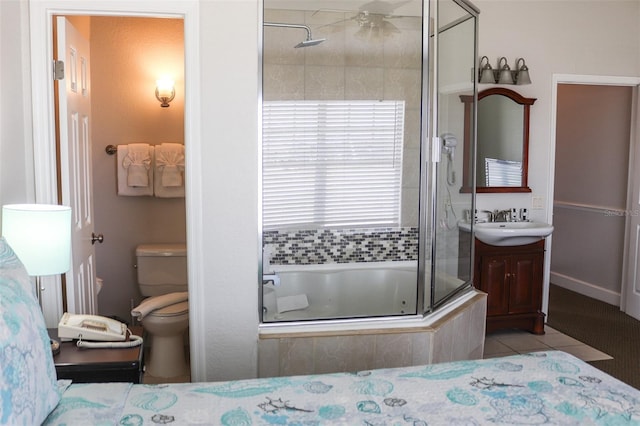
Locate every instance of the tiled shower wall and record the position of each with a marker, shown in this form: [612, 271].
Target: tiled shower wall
[346, 66]
[314, 246]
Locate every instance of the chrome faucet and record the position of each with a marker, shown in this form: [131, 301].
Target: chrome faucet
[490, 215]
[271, 278]
[502, 215]
[498, 215]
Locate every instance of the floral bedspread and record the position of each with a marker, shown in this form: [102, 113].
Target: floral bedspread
[541, 388]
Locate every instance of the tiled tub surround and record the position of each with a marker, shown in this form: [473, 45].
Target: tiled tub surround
[454, 332]
[316, 246]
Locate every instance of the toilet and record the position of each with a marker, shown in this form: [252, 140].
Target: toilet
[162, 272]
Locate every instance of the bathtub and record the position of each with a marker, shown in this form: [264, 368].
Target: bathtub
[363, 316]
[349, 290]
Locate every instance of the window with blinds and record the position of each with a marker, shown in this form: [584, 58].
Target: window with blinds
[503, 172]
[331, 163]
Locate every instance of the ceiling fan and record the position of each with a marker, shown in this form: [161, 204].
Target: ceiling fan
[374, 17]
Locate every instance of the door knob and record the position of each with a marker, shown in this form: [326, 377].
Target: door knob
[99, 238]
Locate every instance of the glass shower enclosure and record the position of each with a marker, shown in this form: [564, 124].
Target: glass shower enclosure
[362, 157]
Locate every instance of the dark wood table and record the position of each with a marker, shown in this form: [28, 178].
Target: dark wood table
[99, 365]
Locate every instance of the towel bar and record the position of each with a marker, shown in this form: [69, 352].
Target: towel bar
[111, 149]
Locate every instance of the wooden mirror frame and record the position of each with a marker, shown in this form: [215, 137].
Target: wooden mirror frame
[468, 137]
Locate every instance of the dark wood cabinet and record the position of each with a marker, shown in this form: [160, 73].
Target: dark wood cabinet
[512, 277]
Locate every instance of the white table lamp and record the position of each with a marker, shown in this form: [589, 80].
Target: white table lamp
[40, 235]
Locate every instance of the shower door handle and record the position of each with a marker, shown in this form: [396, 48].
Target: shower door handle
[99, 238]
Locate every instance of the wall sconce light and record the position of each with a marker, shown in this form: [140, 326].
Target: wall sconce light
[503, 74]
[165, 92]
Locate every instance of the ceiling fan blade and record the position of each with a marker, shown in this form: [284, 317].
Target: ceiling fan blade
[381, 7]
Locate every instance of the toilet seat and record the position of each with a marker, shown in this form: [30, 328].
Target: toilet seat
[172, 310]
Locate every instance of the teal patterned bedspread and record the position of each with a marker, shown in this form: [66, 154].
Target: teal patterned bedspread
[541, 388]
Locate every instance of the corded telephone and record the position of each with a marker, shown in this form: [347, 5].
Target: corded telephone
[109, 332]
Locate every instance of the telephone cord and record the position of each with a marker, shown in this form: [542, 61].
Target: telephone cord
[133, 341]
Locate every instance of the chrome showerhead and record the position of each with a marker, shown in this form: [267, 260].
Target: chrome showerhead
[309, 42]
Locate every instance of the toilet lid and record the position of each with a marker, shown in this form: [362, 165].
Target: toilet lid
[172, 310]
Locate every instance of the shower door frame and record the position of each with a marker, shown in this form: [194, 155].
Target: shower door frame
[427, 190]
[430, 149]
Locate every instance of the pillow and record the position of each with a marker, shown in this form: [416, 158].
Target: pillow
[28, 385]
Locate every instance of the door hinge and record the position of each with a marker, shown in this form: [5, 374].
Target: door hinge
[58, 70]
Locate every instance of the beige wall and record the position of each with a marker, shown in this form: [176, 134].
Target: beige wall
[128, 55]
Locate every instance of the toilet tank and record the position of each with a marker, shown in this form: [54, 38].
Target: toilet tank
[162, 268]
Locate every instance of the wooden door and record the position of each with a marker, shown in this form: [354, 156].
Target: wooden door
[494, 280]
[525, 289]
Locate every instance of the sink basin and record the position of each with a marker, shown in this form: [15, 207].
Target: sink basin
[511, 233]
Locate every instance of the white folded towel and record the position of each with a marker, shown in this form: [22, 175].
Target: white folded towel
[137, 163]
[158, 302]
[292, 303]
[123, 174]
[170, 163]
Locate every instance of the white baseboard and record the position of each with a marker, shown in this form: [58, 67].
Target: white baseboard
[585, 288]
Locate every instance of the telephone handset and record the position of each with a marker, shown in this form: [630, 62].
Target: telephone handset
[96, 328]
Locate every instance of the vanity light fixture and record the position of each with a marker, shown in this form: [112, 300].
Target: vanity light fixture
[165, 92]
[503, 74]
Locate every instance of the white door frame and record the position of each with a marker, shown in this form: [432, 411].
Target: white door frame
[598, 80]
[44, 126]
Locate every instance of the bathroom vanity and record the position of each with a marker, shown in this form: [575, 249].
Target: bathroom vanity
[512, 276]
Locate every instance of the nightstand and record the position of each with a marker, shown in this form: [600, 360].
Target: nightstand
[99, 365]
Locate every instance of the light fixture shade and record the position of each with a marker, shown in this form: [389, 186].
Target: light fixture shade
[486, 72]
[523, 72]
[505, 77]
[40, 235]
[523, 77]
[505, 72]
[487, 76]
[165, 91]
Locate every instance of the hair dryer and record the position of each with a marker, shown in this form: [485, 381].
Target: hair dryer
[449, 143]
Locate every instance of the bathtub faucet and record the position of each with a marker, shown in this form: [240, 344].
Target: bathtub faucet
[271, 278]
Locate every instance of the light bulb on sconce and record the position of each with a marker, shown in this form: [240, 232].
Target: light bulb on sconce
[165, 92]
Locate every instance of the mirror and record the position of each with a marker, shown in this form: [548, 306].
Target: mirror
[503, 141]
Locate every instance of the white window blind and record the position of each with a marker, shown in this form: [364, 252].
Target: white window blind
[332, 163]
[503, 172]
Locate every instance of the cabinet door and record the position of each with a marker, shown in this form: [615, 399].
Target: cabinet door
[494, 280]
[525, 289]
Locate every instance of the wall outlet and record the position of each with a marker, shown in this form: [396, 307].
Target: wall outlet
[537, 202]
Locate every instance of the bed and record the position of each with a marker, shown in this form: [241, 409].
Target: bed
[538, 388]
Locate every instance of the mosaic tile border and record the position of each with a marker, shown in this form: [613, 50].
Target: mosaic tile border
[317, 246]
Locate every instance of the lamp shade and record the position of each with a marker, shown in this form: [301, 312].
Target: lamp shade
[40, 235]
[505, 76]
[522, 72]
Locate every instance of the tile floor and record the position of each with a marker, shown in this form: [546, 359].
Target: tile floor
[510, 342]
